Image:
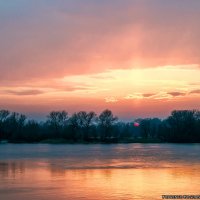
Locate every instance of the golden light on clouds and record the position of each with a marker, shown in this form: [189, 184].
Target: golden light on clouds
[129, 87]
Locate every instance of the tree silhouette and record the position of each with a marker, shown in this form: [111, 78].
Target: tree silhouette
[3, 117]
[15, 124]
[56, 121]
[180, 126]
[106, 121]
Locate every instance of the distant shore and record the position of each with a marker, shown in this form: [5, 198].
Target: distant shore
[128, 141]
[182, 126]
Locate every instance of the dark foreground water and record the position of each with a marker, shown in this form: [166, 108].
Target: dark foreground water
[98, 172]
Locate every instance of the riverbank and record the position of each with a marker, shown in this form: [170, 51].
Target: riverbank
[124, 141]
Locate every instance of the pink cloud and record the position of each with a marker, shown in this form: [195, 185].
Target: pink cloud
[55, 39]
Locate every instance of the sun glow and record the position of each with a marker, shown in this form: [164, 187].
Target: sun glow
[135, 88]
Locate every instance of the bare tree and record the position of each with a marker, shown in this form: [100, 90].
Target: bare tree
[56, 120]
[4, 114]
[106, 122]
[81, 123]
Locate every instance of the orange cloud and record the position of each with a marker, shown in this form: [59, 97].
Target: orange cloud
[176, 94]
[195, 91]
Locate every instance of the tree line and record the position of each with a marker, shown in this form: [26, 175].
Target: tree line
[88, 127]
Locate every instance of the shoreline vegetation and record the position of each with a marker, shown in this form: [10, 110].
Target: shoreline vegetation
[182, 126]
[64, 141]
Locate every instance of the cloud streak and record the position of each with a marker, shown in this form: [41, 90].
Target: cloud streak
[24, 92]
[176, 94]
[195, 91]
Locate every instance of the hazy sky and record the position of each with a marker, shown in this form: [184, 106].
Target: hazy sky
[139, 58]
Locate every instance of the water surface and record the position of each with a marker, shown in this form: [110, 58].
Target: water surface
[98, 172]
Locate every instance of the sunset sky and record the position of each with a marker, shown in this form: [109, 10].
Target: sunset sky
[139, 58]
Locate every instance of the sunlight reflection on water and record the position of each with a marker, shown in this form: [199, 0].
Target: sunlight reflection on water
[94, 172]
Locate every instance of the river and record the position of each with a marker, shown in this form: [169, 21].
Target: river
[98, 172]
